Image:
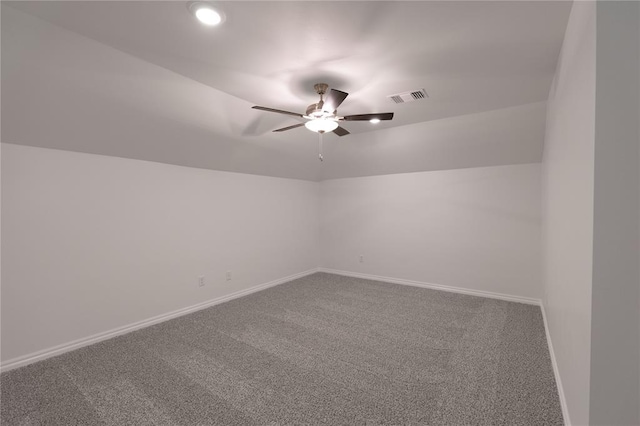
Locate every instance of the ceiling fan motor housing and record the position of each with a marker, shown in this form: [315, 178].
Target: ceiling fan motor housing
[321, 88]
[315, 111]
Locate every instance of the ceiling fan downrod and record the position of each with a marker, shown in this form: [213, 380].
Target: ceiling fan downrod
[321, 89]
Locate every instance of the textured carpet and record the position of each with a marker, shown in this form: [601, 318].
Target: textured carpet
[323, 349]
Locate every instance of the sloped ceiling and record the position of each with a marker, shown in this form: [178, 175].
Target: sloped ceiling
[145, 80]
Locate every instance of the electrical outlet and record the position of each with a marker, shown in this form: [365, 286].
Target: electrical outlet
[228, 275]
[361, 259]
[201, 281]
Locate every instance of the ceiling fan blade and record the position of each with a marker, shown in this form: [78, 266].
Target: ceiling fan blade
[341, 131]
[367, 117]
[333, 100]
[289, 127]
[279, 111]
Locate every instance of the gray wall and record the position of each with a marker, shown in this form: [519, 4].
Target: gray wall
[477, 229]
[92, 243]
[591, 212]
[567, 209]
[614, 328]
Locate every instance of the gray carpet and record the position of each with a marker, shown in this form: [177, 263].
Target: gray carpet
[323, 349]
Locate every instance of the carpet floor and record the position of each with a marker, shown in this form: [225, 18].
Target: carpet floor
[323, 349]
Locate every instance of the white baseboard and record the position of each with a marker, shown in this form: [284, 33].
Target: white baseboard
[76, 344]
[556, 371]
[480, 293]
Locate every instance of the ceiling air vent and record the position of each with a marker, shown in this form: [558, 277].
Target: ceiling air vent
[413, 95]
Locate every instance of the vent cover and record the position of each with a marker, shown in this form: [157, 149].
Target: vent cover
[413, 95]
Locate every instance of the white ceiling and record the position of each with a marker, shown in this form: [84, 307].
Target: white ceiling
[145, 80]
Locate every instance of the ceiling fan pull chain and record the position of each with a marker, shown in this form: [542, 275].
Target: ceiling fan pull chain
[320, 146]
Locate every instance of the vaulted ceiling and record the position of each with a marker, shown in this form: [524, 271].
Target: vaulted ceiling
[145, 80]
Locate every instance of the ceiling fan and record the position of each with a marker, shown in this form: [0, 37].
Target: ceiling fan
[323, 116]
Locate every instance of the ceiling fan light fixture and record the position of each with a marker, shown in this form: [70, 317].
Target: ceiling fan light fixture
[321, 125]
[206, 13]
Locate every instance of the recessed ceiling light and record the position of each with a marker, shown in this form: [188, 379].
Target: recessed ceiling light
[374, 120]
[206, 13]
